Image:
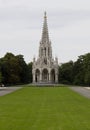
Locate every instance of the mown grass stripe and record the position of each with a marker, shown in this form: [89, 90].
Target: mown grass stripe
[46, 108]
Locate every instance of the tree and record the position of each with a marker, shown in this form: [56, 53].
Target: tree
[78, 72]
[24, 73]
[86, 66]
[30, 71]
[1, 78]
[14, 69]
[82, 70]
[66, 73]
[10, 69]
[0, 73]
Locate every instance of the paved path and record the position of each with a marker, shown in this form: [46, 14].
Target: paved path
[6, 90]
[85, 91]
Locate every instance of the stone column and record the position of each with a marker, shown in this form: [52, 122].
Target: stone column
[40, 76]
[56, 78]
[34, 78]
[49, 77]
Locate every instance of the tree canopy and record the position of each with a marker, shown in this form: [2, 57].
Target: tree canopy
[76, 72]
[14, 69]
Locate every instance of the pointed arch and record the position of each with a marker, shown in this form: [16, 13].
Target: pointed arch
[45, 75]
[53, 76]
[37, 75]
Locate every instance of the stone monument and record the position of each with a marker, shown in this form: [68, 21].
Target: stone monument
[45, 68]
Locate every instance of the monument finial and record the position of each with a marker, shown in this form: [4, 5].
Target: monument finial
[45, 14]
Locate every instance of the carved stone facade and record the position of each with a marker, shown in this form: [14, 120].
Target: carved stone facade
[45, 68]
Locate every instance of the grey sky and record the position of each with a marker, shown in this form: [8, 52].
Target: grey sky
[68, 22]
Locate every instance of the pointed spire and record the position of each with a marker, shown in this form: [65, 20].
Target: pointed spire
[45, 36]
[45, 15]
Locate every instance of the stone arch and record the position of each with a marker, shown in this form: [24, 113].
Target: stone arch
[37, 75]
[53, 76]
[45, 75]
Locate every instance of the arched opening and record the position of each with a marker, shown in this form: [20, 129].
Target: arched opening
[53, 76]
[45, 61]
[37, 76]
[45, 75]
[45, 51]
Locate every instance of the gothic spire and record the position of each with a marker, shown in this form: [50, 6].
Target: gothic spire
[45, 36]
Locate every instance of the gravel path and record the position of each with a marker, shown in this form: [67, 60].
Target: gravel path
[6, 90]
[85, 91]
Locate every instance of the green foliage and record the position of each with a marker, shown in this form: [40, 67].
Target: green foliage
[76, 72]
[24, 73]
[14, 69]
[0, 77]
[47, 108]
[66, 73]
[30, 71]
[86, 65]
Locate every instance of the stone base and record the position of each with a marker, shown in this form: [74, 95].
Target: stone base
[45, 84]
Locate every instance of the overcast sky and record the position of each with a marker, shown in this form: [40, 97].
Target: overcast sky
[21, 24]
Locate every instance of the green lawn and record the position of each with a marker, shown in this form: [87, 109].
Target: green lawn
[44, 108]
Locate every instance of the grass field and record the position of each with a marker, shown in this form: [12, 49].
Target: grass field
[44, 108]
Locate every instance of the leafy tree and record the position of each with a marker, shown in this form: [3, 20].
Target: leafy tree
[86, 66]
[0, 74]
[66, 73]
[10, 68]
[76, 72]
[24, 73]
[14, 69]
[30, 71]
[1, 77]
